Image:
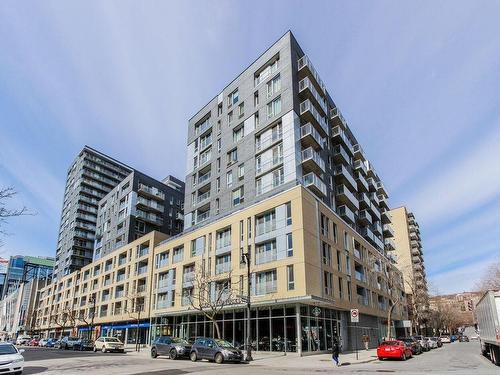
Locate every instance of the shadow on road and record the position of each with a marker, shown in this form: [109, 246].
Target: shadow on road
[34, 369]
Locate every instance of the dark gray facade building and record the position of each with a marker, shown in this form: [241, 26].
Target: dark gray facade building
[273, 127]
[136, 206]
[91, 176]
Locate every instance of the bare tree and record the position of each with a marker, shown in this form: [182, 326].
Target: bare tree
[417, 302]
[60, 320]
[7, 193]
[210, 294]
[135, 307]
[394, 290]
[490, 278]
[443, 318]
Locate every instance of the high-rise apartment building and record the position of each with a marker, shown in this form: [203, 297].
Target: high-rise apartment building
[91, 176]
[275, 126]
[136, 206]
[409, 259]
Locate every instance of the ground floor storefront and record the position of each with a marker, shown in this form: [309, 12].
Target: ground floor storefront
[300, 328]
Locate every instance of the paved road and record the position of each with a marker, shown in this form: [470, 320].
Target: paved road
[456, 359]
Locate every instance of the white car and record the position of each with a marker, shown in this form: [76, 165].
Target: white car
[11, 359]
[108, 344]
[432, 343]
[23, 340]
[445, 339]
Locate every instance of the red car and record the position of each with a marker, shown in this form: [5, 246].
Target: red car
[33, 342]
[393, 349]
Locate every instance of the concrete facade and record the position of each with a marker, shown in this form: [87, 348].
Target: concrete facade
[305, 261]
[136, 206]
[273, 127]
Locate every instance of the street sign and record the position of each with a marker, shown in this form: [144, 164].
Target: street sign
[354, 316]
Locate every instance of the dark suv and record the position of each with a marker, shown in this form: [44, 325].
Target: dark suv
[414, 344]
[171, 346]
[214, 350]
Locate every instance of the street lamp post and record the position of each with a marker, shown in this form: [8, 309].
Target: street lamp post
[91, 328]
[246, 259]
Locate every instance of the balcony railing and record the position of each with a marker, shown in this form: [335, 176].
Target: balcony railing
[388, 231]
[188, 277]
[202, 127]
[309, 154]
[337, 131]
[204, 178]
[151, 191]
[142, 270]
[222, 267]
[389, 244]
[341, 171]
[266, 257]
[311, 180]
[307, 107]
[306, 83]
[151, 204]
[304, 62]
[360, 276]
[346, 213]
[267, 287]
[202, 217]
[203, 197]
[308, 130]
[345, 195]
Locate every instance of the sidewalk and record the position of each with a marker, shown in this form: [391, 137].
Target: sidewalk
[319, 361]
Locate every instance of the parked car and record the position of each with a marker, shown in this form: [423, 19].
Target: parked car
[33, 342]
[394, 349]
[57, 344]
[108, 344]
[67, 342]
[414, 345]
[432, 343]
[11, 359]
[423, 342]
[445, 339]
[214, 350]
[438, 341]
[83, 344]
[23, 340]
[463, 338]
[174, 347]
[453, 338]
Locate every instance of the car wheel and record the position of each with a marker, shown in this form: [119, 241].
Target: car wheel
[403, 357]
[173, 354]
[154, 354]
[103, 349]
[193, 356]
[219, 358]
[95, 349]
[380, 358]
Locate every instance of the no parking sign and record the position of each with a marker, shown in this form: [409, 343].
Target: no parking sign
[354, 316]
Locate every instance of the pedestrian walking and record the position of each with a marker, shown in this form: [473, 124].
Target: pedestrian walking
[335, 352]
[366, 341]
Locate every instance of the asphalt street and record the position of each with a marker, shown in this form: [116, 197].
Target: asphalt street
[456, 359]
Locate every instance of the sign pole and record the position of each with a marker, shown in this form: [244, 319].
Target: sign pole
[355, 320]
[356, 334]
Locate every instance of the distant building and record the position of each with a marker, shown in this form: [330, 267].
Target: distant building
[3, 273]
[22, 268]
[136, 206]
[464, 304]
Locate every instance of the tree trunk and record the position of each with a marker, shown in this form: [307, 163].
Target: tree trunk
[389, 323]
[217, 330]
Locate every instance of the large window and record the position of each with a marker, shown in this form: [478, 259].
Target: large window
[238, 196]
[274, 107]
[273, 86]
[290, 277]
[266, 252]
[232, 98]
[223, 238]
[264, 73]
[289, 245]
[238, 133]
[265, 223]
[198, 246]
[328, 281]
[327, 254]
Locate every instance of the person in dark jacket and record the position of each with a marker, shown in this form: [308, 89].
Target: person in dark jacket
[335, 352]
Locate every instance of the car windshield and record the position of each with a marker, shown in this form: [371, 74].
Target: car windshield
[112, 339]
[180, 341]
[389, 343]
[223, 344]
[73, 338]
[8, 349]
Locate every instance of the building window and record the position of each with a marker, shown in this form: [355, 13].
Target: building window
[289, 245]
[328, 281]
[241, 230]
[249, 227]
[346, 241]
[238, 134]
[256, 99]
[327, 254]
[217, 206]
[340, 288]
[217, 184]
[325, 223]
[288, 206]
[219, 109]
[198, 246]
[273, 86]
[241, 110]
[219, 145]
[232, 156]
[290, 277]
[229, 178]
[241, 171]
[335, 232]
[274, 107]
[218, 165]
[266, 71]
[232, 98]
[230, 118]
[238, 196]
[339, 261]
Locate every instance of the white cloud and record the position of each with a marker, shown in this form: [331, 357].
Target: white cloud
[473, 179]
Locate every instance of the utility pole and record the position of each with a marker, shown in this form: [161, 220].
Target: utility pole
[91, 328]
[246, 259]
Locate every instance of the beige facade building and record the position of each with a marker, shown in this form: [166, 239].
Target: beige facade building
[462, 305]
[409, 259]
[308, 269]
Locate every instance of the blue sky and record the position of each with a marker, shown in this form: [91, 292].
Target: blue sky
[418, 83]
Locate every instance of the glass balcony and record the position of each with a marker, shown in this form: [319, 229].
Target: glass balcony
[310, 136]
[358, 152]
[347, 214]
[339, 135]
[388, 231]
[311, 114]
[377, 228]
[305, 65]
[364, 217]
[188, 277]
[222, 267]
[151, 191]
[386, 217]
[312, 160]
[362, 184]
[142, 270]
[200, 129]
[152, 218]
[389, 244]
[205, 142]
[150, 204]
[306, 85]
[202, 216]
[203, 197]
[266, 256]
[312, 181]
[204, 178]
[267, 287]
[343, 175]
[337, 118]
[345, 196]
